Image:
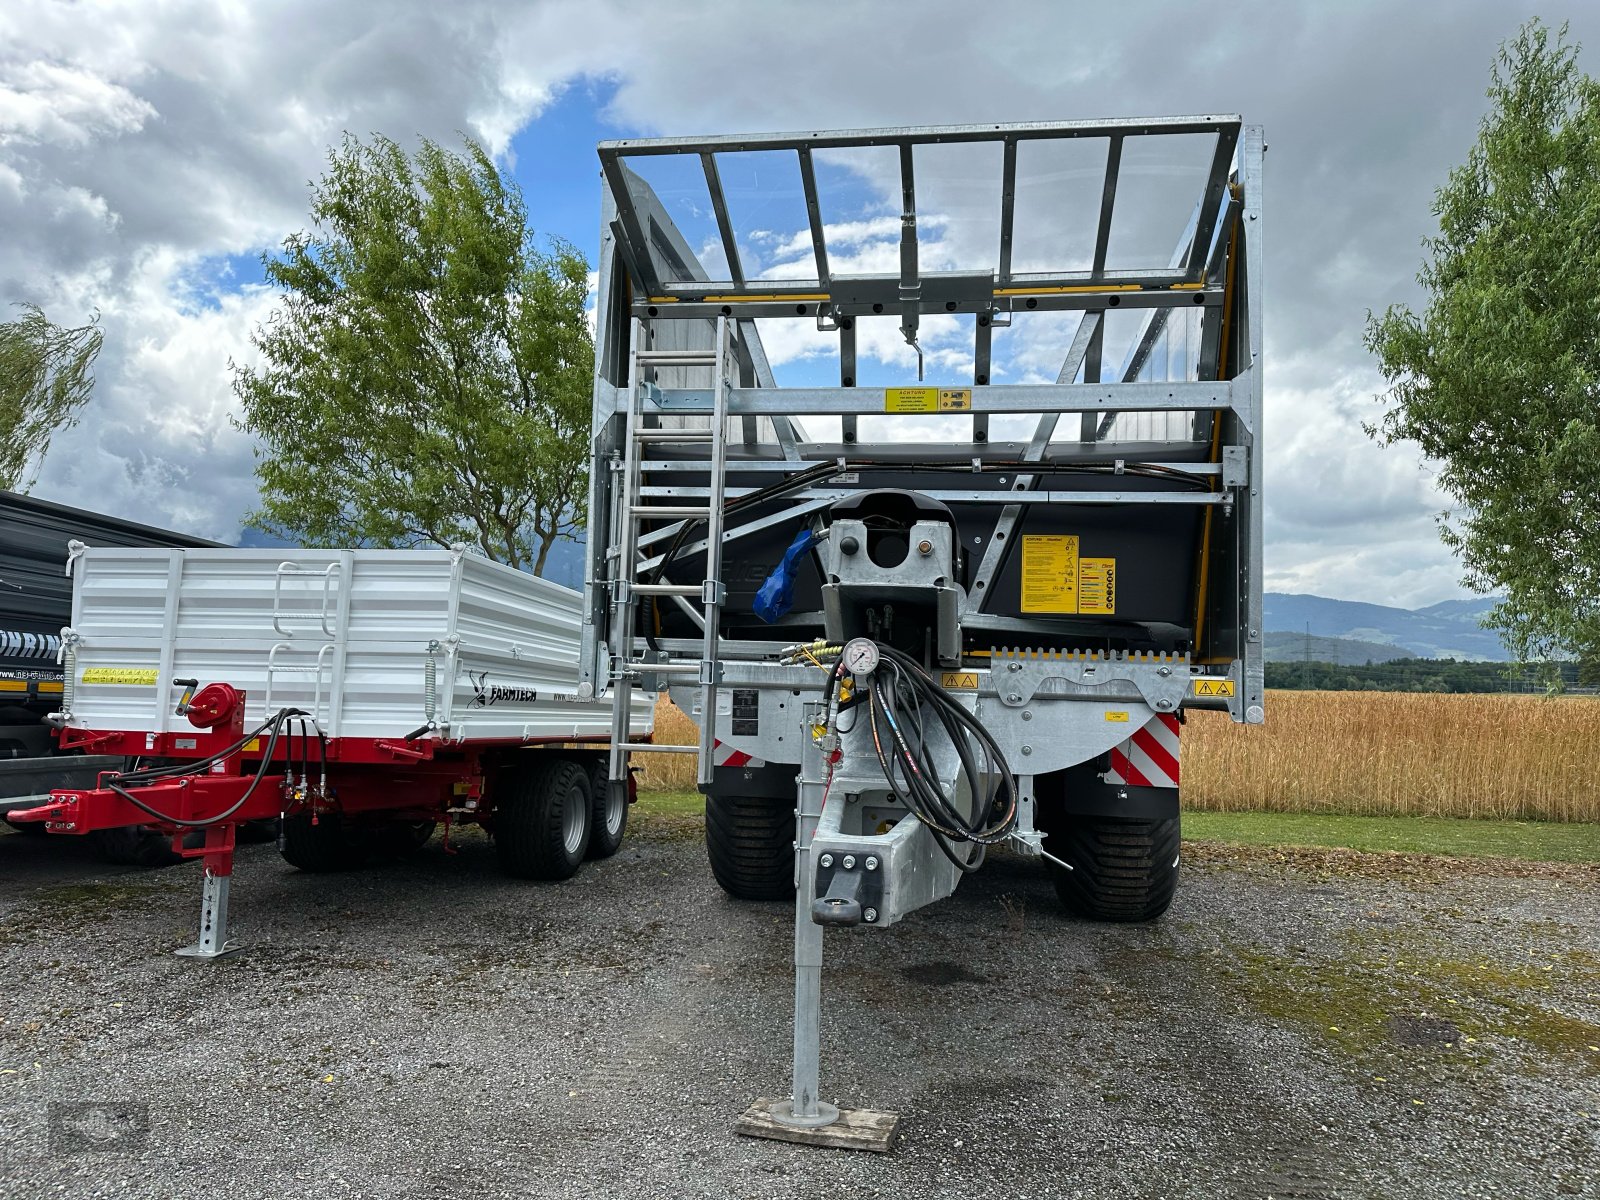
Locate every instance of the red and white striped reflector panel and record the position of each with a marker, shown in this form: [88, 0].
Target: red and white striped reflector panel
[724, 755]
[1150, 757]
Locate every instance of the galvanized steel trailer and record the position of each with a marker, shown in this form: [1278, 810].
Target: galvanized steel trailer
[919, 617]
[363, 695]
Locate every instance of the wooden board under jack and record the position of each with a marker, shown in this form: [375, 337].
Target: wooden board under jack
[856, 1128]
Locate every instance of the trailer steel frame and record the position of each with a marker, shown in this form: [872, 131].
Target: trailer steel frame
[655, 293]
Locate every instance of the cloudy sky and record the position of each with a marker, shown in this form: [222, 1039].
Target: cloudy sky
[151, 151]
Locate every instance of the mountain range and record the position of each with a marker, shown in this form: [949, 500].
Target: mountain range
[1449, 629]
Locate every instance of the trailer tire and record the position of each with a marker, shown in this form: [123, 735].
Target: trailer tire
[320, 848]
[750, 842]
[541, 829]
[134, 846]
[1123, 870]
[610, 821]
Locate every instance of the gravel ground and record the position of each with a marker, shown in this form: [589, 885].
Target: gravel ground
[1301, 1025]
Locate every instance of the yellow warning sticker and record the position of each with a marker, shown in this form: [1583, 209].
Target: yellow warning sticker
[1117, 716]
[140, 676]
[911, 400]
[959, 681]
[1056, 580]
[252, 744]
[1213, 687]
[1097, 585]
[955, 399]
[1050, 574]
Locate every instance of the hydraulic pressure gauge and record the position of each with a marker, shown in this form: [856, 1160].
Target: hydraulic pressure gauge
[861, 656]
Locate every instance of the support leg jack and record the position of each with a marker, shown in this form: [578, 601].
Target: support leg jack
[218, 858]
[803, 1117]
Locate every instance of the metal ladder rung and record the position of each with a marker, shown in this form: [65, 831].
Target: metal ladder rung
[674, 511]
[666, 668]
[669, 589]
[677, 358]
[673, 435]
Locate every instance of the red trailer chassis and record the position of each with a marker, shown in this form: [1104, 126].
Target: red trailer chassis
[412, 778]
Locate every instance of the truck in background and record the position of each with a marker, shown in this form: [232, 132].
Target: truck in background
[36, 540]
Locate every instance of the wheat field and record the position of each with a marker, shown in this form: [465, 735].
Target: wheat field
[1362, 753]
[1390, 753]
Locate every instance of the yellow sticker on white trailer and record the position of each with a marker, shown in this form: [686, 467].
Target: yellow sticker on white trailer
[137, 676]
[1213, 687]
[1117, 716]
[911, 400]
[1050, 574]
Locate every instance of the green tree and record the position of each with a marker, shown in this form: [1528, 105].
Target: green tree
[426, 378]
[45, 380]
[1499, 378]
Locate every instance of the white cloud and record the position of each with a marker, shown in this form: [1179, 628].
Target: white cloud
[44, 101]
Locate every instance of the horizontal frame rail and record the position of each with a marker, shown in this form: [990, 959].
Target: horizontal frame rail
[1062, 466]
[1206, 395]
[907, 135]
[974, 496]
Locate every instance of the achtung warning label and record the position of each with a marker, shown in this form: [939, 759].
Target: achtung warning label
[1056, 580]
[926, 400]
[1213, 687]
[1050, 574]
[959, 681]
[137, 676]
[911, 400]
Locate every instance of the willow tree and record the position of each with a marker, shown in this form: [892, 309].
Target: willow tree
[425, 379]
[46, 375]
[1498, 378]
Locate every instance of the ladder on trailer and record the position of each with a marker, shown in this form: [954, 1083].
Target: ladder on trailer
[628, 584]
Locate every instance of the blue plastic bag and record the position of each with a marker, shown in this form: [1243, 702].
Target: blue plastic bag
[776, 596]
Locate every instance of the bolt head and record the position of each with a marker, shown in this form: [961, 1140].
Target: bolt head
[872, 862]
[1016, 666]
[826, 860]
[1027, 715]
[924, 547]
[1027, 749]
[1014, 697]
[849, 862]
[871, 915]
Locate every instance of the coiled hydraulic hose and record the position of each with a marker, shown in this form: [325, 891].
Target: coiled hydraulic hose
[899, 695]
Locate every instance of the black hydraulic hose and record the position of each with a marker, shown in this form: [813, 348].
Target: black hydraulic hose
[910, 771]
[276, 723]
[939, 836]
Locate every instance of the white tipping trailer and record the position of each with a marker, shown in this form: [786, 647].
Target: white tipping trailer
[365, 696]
